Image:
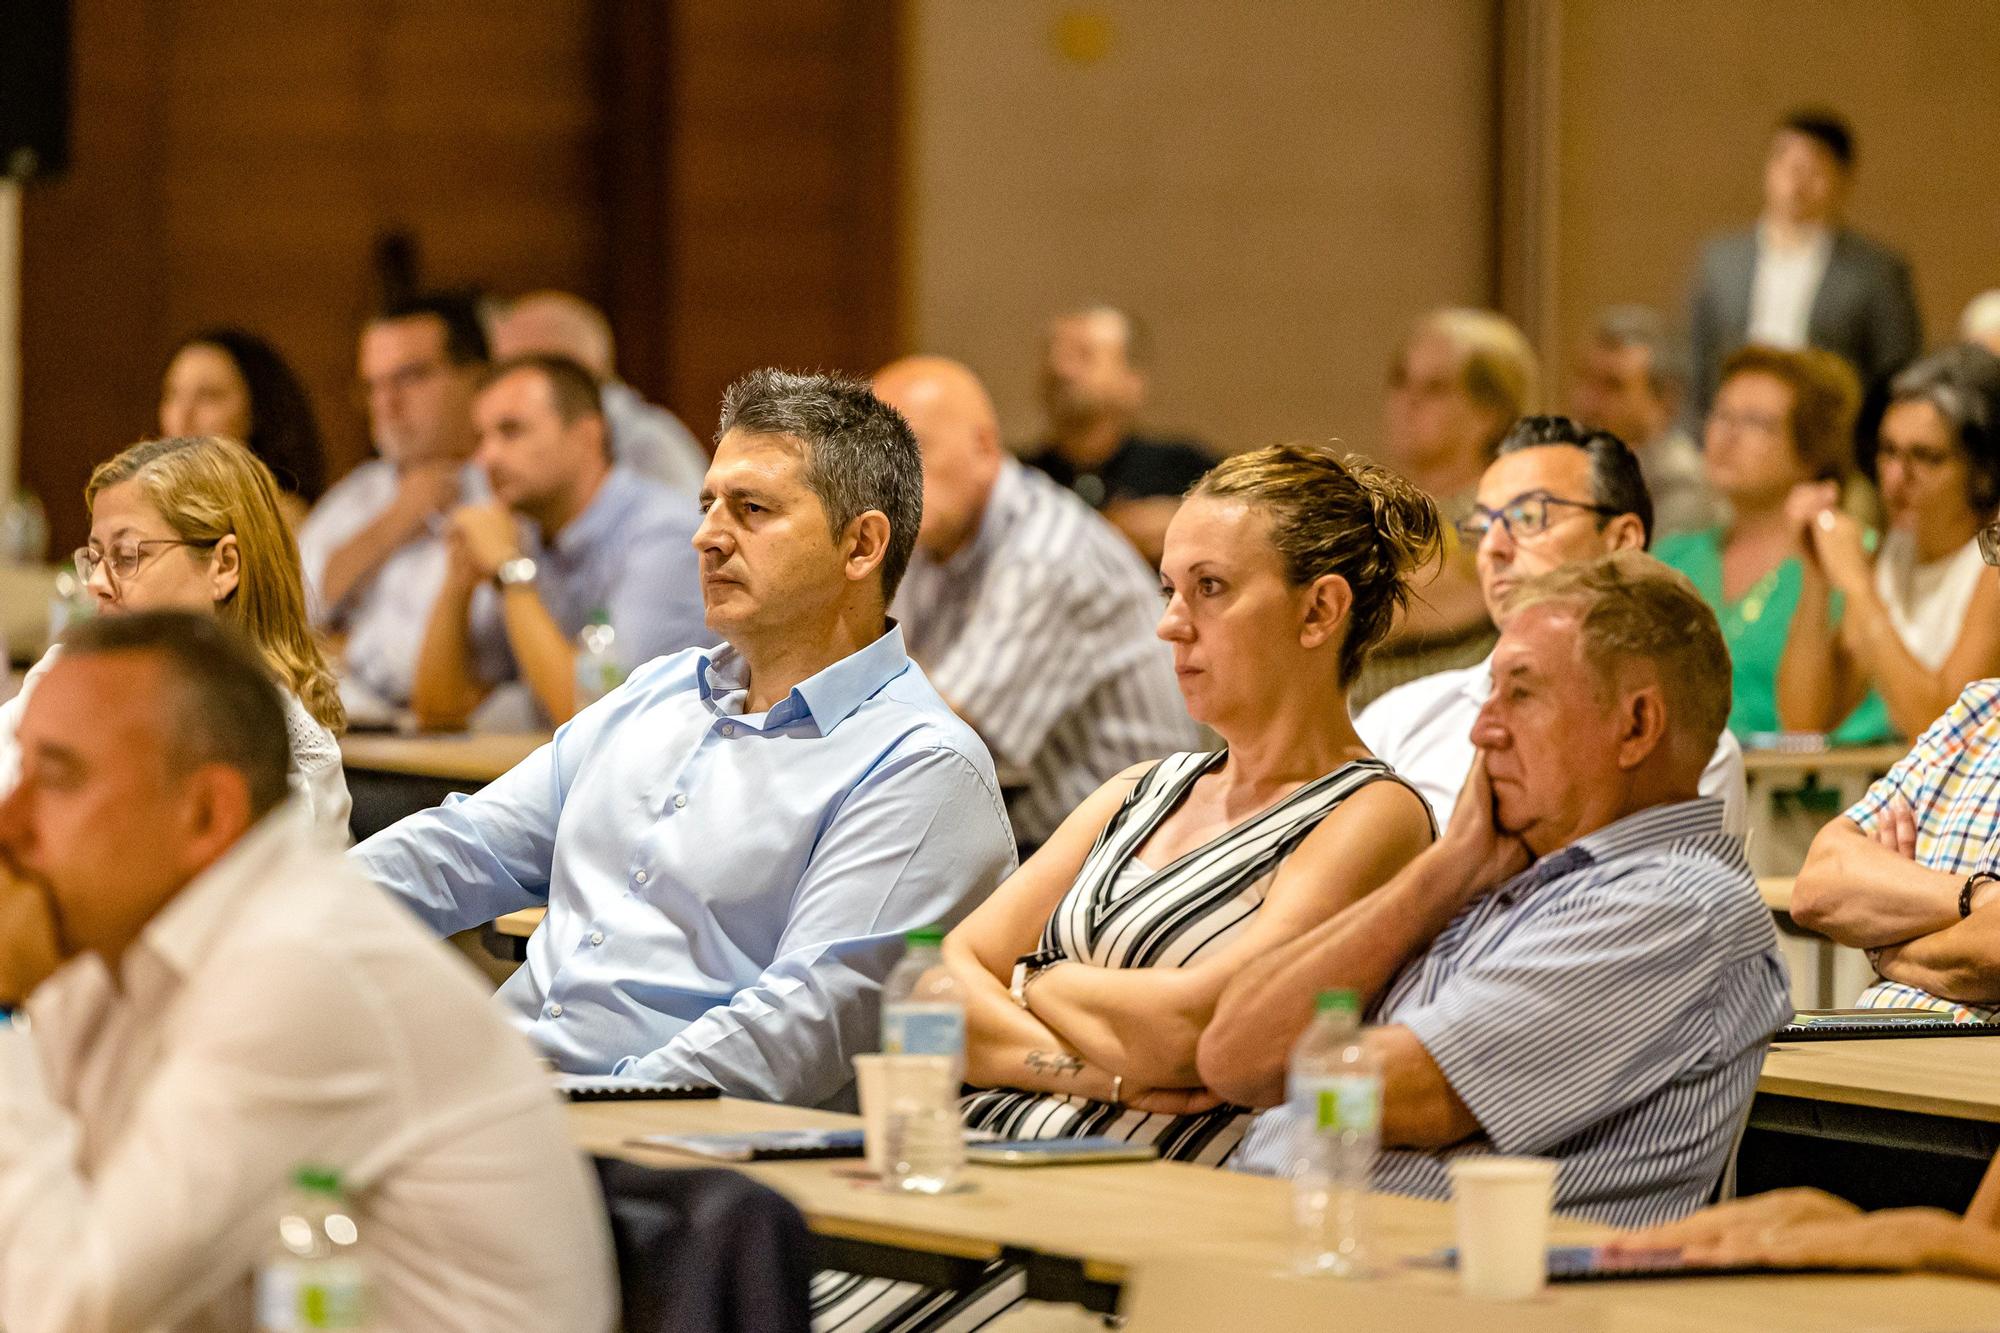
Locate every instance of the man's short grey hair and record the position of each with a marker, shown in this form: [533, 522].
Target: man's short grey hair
[860, 454]
[1631, 608]
[222, 707]
[1643, 326]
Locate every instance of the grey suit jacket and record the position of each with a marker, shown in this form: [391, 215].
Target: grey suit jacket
[1865, 309]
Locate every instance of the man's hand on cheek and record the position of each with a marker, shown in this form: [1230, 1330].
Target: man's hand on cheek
[30, 948]
[1485, 853]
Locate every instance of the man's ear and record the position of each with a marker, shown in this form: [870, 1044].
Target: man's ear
[218, 810]
[1645, 725]
[866, 544]
[1328, 602]
[1624, 532]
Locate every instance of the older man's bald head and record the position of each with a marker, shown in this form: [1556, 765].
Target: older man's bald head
[555, 324]
[959, 432]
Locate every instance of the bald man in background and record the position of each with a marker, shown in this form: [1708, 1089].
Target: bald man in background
[646, 438]
[1031, 614]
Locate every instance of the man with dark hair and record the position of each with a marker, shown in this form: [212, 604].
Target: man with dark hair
[732, 843]
[1029, 612]
[1556, 494]
[216, 1002]
[566, 540]
[1800, 277]
[1094, 368]
[372, 557]
[1579, 967]
[1630, 379]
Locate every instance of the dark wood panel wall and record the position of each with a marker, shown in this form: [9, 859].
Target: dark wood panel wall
[720, 175]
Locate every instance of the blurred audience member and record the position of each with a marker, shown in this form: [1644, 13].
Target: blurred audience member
[212, 1002]
[373, 552]
[1556, 494]
[644, 437]
[231, 383]
[1800, 277]
[1458, 380]
[597, 540]
[1920, 618]
[192, 524]
[1630, 378]
[1093, 389]
[1781, 420]
[1029, 614]
[1981, 321]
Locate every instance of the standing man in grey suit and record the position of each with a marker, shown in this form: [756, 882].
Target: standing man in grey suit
[1799, 277]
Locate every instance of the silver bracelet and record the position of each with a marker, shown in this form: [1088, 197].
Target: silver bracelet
[1117, 1089]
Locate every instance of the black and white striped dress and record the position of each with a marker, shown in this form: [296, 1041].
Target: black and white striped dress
[1120, 913]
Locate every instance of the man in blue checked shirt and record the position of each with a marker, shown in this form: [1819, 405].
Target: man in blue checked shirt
[1580, 967]
[732, 843]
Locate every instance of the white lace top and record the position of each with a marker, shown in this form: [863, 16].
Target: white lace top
[316, 775]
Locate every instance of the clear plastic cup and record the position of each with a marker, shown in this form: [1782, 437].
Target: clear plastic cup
[911, 1133]
[1503, 1206]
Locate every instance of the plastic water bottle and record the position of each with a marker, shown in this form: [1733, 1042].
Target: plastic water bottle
[1334, 1090]
[312, 1278]
[598, 670]
[24, 531]
[923, 1013]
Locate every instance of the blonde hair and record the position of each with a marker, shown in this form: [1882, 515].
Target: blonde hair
[1334, 515]
[1630, 607]
[207, 489]
[1496, 364]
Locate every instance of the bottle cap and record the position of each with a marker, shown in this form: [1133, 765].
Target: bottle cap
[317, 1180]
[927, 937]
[1338, 1002]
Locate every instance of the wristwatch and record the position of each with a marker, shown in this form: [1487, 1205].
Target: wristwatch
[1973, 883]
[1029, 966]
[513, 573]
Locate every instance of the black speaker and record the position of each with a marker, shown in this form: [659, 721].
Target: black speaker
[34, 87]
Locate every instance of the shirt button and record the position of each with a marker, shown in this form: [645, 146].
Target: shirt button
[555, 1011]
[639, 878]
[680, 802]
[597, 937]
[729, 728]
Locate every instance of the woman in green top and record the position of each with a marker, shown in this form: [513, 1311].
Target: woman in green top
[1781, 419]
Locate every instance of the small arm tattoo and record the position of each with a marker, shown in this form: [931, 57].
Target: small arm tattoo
[1041, 1062]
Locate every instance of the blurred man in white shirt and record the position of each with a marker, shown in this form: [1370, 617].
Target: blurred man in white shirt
[216, 1003]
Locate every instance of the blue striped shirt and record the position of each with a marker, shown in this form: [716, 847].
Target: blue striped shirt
[1608, 1007]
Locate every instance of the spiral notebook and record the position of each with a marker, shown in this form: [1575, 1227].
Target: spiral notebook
[1851, 1024]
[610, 1088]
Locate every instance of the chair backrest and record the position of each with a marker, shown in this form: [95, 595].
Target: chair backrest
[706, 1250]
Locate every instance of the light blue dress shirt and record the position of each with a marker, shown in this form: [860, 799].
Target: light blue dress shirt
[726, 891]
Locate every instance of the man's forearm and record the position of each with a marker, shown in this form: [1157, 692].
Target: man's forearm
[356, 562]
[444, 691]
[1961, 962]
[542, 651]
[1854, 890]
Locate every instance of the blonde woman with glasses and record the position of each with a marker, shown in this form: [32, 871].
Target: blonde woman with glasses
[193, 523]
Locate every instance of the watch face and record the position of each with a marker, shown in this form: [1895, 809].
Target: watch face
[518, 570]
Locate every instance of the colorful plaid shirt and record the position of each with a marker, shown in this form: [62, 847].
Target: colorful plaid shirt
[1951, 783]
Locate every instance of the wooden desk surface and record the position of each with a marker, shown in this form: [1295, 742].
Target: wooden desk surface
[1867, 760]
[1776, 891]
[519, 925]
[1946, 1076]
[472, 757]
[1199, 1247]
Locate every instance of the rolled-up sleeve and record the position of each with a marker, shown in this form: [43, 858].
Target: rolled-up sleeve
[919, 842]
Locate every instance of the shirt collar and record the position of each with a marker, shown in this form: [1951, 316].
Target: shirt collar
[184, 932]
[1634, 833]
[600, 519]
[829, 696]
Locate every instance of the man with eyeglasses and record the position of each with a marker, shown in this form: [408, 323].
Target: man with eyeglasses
[1554, 494]
[1911, 873]
[372, 550]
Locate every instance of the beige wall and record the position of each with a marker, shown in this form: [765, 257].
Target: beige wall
[1664, 120]
[1276, 186]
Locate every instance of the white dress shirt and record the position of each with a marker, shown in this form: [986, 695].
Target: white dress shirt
[280, 1012]
[385, 614]
[316, 773]
[651, 440]
[1784, 288]
[1424, 731]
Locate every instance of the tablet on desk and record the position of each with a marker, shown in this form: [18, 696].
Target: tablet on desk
[1849, 1024]
[1601, 1263]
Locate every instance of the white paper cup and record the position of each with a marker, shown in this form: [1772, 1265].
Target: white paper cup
[885, 1082]
[1503, 1206]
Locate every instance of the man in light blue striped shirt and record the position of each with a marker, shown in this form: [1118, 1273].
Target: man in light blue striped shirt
[732, 843]
[1580, 968]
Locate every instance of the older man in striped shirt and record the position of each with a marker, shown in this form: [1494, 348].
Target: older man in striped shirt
[1030, 614]
[1580, 968]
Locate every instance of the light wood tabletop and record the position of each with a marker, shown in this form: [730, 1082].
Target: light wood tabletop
[1198, 1247]
[1840, 761]
[1776, 891]
[471, 757]
[1958, 1077]
[519, 925]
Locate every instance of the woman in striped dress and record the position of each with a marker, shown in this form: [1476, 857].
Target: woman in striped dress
[1091, 972]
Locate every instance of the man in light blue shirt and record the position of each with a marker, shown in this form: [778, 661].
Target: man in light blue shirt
[567, 538]
[732, 843]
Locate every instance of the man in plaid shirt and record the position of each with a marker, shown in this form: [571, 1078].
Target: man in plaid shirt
[1912, 872]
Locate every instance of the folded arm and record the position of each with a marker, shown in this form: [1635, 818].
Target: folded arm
[1960, 962]
[1860, 892]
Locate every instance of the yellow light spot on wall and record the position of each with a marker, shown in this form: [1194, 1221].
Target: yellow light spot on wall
[1082, 36]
